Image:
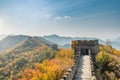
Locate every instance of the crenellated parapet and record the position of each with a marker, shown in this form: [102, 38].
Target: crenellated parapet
[85, 47]
[76, 43]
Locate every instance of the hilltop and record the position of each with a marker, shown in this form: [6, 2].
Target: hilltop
[25, 51]
[11, 41]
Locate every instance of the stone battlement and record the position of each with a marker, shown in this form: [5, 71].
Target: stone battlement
[84, 42]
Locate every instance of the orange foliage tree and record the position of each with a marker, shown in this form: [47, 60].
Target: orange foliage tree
[51, 69]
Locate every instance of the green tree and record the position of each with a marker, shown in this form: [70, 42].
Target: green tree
[103, 59]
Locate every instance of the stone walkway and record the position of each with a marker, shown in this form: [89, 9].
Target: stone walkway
[84, 69]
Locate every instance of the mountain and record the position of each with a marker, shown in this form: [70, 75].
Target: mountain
[66, 41]
[2, 36]
[11, 41]
[32, 42]
[27, 51]
[58, 39]
[117, 40]
[116, 43]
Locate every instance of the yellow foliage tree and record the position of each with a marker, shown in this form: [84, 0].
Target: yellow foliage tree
[103, 58]
[51, 69]
[117, 52]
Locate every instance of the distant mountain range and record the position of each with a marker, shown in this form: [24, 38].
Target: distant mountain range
[117, 40]
[2, 36]
[66, 41]
[116, 43]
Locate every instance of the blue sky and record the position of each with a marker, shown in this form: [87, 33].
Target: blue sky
[81, 18]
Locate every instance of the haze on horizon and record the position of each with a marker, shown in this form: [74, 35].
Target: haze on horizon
[78, 18]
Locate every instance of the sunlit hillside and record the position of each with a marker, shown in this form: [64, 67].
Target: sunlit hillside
[30, 51]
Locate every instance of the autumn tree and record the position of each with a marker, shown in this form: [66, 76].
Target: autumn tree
[51, 69]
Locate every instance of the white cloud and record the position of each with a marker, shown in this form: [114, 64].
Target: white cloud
[58, 18]
[67, 18]
[62, 18]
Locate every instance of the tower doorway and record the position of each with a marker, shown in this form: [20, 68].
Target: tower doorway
[84, 51]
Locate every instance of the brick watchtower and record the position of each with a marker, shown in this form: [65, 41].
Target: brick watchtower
[85, 47]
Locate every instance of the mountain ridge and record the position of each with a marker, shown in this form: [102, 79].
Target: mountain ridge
[64, 41]
[11, 41]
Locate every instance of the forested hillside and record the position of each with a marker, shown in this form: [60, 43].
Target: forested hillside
[11, 41]
[51, 69]
[108, 60]
[33, 50]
